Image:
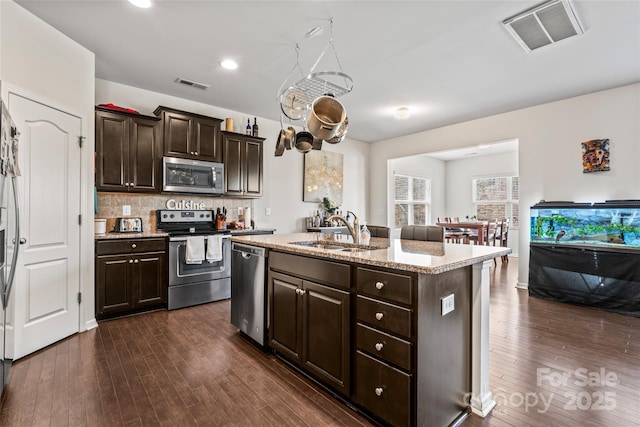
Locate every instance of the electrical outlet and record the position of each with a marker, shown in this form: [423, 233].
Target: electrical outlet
[126, 210]
[267, 211]
[448, 304]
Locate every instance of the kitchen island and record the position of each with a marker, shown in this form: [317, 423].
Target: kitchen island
[400, 328]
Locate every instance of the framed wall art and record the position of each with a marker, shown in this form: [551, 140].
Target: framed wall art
[323, 176]
[595, 155]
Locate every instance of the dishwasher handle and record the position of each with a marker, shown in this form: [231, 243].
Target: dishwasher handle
[248, 251]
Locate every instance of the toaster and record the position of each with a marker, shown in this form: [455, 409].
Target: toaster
[128, 225]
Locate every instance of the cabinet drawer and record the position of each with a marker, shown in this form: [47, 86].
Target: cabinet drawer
[393, 350]
[383, 390]
[318, 270]
[384, 285]
[126, 246]
[385, 316]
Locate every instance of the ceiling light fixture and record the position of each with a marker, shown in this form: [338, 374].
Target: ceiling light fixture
[402, 113]
[141, 3]
[229, 64]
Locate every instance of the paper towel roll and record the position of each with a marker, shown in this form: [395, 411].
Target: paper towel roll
[228, 124]
[247, 218]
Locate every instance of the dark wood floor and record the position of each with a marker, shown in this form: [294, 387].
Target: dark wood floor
[190, 367]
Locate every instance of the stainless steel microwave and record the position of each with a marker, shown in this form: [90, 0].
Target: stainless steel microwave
[192, 176]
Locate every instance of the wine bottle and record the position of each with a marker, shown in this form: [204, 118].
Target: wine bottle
[248, 132]
[255, 127]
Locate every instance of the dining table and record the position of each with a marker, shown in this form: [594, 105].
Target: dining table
[479, 225]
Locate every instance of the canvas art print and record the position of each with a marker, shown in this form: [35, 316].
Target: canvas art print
[595, 155]
[323, 176]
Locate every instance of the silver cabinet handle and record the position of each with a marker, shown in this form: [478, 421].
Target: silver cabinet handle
[379, 346]
[130, 261]
[136, 261]
[379, 285]
[22, 241]
[133, 245]
[297, 291]
[379, 391]
[196, 153]
[300, 291]
[133, 184]
[379, 316]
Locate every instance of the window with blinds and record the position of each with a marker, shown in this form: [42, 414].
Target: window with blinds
[412, 200]
[496, 197]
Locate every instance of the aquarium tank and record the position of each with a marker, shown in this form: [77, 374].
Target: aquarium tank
[614, 223]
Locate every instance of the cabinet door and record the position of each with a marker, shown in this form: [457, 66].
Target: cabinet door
[233, 165]
[207, 143]
[113, 284]
[178, 129]
[144, 155]
[148, 275]
[112, 151]
[253, 168]
[326, 335]
[286, 311]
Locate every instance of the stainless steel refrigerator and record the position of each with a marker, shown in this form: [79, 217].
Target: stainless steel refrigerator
[8, 238]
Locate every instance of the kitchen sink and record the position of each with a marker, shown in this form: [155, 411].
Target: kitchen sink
[318, 245]
[345, 247]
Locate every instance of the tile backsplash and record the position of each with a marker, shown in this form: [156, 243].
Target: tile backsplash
[145, 206]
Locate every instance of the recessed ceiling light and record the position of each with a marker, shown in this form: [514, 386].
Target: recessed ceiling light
[141, 3]
[402, 113]
[229, 64]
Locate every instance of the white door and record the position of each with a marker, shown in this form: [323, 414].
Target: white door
[47, 278]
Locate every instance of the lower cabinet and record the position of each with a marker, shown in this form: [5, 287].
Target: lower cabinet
[310, 326]
[130, 276]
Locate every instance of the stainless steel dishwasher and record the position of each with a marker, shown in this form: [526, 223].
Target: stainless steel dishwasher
[248, 291]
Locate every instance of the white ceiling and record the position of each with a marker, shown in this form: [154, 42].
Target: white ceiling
[451, 61]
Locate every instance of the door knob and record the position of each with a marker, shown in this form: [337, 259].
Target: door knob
[130, 261]
[379, 285]
[379, 391]
[379, 346]
[379, 316]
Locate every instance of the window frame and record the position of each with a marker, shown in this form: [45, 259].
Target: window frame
[512, 205]
[410, 201]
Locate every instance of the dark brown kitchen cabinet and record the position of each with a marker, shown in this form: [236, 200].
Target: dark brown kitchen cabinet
[130, 276]
[243, 167]
[128, 152]
[310, 323]
[190, 135]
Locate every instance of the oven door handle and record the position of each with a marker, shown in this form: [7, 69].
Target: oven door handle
[184, 238]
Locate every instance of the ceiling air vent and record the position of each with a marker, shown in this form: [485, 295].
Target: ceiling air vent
[544, 24]
[191, 83]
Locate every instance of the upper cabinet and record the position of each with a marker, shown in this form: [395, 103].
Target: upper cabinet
[242, 165]
[128, 150]
[190, 135]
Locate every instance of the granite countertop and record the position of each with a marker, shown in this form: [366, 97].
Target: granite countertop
[407, 255]
[144, 234]
[253, 231]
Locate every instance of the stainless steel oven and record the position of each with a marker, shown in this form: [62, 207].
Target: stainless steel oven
[191, 284]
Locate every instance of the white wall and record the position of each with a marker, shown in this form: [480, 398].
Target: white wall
[424, 167]
[47, 64]
[460, 173]
[282, 175]
[549, 161]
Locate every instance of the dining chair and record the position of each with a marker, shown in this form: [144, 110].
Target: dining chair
[379, 230]
[504, 237]
[430, 233]
[489, 233]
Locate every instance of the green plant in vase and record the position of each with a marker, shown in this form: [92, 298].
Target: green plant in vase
[330, 205]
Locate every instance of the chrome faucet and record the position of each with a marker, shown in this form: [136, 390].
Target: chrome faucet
[355, 230]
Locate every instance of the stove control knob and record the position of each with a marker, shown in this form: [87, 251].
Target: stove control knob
[164, 216]
[201, 215]
[207, 215]
[171, 216]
